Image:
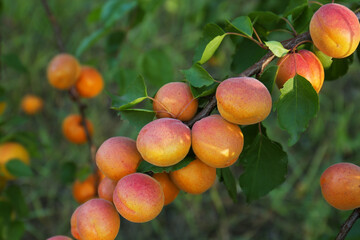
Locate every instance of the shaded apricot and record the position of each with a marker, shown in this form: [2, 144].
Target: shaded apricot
[195, 178]
[217, 142]
[9, 151]
[73, 224]
[170, 189]
[303, 63]
[118, 157]
[73, 129]
[97, 219]
[243, 100]
[164, 142]
[106, 189]
[63, 71]
[138, 197]
[175, 100]
[2, 107]
[84, 191]
[31, 104]
[59, 237]
[90, 82]
[335, 30]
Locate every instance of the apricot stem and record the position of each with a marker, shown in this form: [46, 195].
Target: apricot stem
[293, 49]
[345, 228]
[291, 26]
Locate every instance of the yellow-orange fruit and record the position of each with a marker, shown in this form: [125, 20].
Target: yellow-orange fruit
[243, 100]
[138, 197]
[73, 129]
[217, 142]
[97, 219]
[106, 189]
[340, 186]
[9, 151]
[195, 178]
[31, 104]
[90, 82]
[84, 191]
[335, 30]
[118, 157]
[170, 189]
[73, 224]
[175, 100]
[164, 142]
[303, 63]
[59, 237]
[63, 71]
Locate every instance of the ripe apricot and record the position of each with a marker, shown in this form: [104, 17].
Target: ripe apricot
[217, 142]
[335, 30]
[243, 100]
[106, 189]
[340, 186]
[31, 104]
[84, 191]
[164, 142]
[118, 157]
[73, 224]
[304, 63]
[195, 178]
[170, 189]
[97, 219]
[175, 100]
[63, 71]
[9, 151]
[73, 129]
[138, 197]
[59, 238]
[90, 82]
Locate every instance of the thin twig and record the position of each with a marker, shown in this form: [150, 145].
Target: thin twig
[345, 228]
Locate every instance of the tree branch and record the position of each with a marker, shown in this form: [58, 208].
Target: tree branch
[345, 228]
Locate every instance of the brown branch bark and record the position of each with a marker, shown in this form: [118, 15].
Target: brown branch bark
[345, 228]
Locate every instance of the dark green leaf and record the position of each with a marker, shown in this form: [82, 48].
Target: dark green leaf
[17, 200]
[91, 40]
[144, 166]
[150, 5]
[5, 212]
[18, 168]
[277, 48]
[138, 117]
[15, 230]
[268, 77]
[204, 91]
[83, 173]
[114, 10]
[197, 76]
[114, 41]
[267, 20]
[210, 48]
[13, 61]
[265, 168]
[242, 25]
[295, 7]
[297, 105]
[68, 172]
[302, 22]
[250, 132]
[338, 68]
[94, 15]
[226, 176]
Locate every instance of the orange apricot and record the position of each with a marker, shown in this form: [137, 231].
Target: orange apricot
[63, 71]
[9, 151]
[106, 189]
[84, 191]
[90, 82]
[195, 178]
[73, 224]
[59, 237]
[175, 100]
[138, 197]
[31, 104]
[73, 129]
[170, 189]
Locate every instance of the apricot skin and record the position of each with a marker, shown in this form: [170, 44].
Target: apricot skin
[90, 82]
[138, 197]
[195, 178]
[335, 30]
[9, 151]
[73, 129]
[84, 191]
[118, 157]
[177, 98]
[170, 189]
[164, 142]
[340, 186]
[59, 238]
[31, 104]
[73, 224]
[305, 64]
[243, 100]
[106, 189]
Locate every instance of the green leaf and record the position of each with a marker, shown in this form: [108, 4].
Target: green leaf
[94, 15]
[297, 105]
[210, 48]
[295, 7]
[138, 117]
[225, 175]
[265, 167]
[91, 40]
[17, 200]
[265, 19]
[13, 61]
[277, 48]
[268, 77]
[18, 168]
[197, 76]
[250, 132]
[68, 172]
[114, 10]
[325, 60]
[338, 68]
[114, 41]
[15, 230]
[5, 212]
[204, 91]
[144, 166]
[150, 5]
[301, 23]
[242, 25]
[83, 173]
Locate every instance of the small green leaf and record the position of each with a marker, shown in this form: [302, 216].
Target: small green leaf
[17, 200]
[210, 48]
[114, 41]
[268, 77]
[83, 173]
[338, 68]
[18, 168]
[204, 91]
[243, 25]
[138, 117]
[144, 166]
[325, 60]
[13, 61]
[68, 172]
[276, 48]
[197, 76]
[297, 105]
[226, 176]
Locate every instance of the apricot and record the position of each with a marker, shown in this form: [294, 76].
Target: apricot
[2, 107]
[97, 219]
[340, 186]
[9, 151]
[195, 178]
[73, 129]
[118, 157]
[106, 189]
[84, 191]
[170, 189]
[73, 224]
[138, 197]
[243, 100]
[59, 238]
[90, 82]
[31, 104]
[63, 71]
[164, 142]
[335, 30]
[303, 63]
[217, 142]
[175, 100]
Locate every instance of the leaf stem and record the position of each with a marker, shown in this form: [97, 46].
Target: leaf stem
[291, 26]
[250, 38]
